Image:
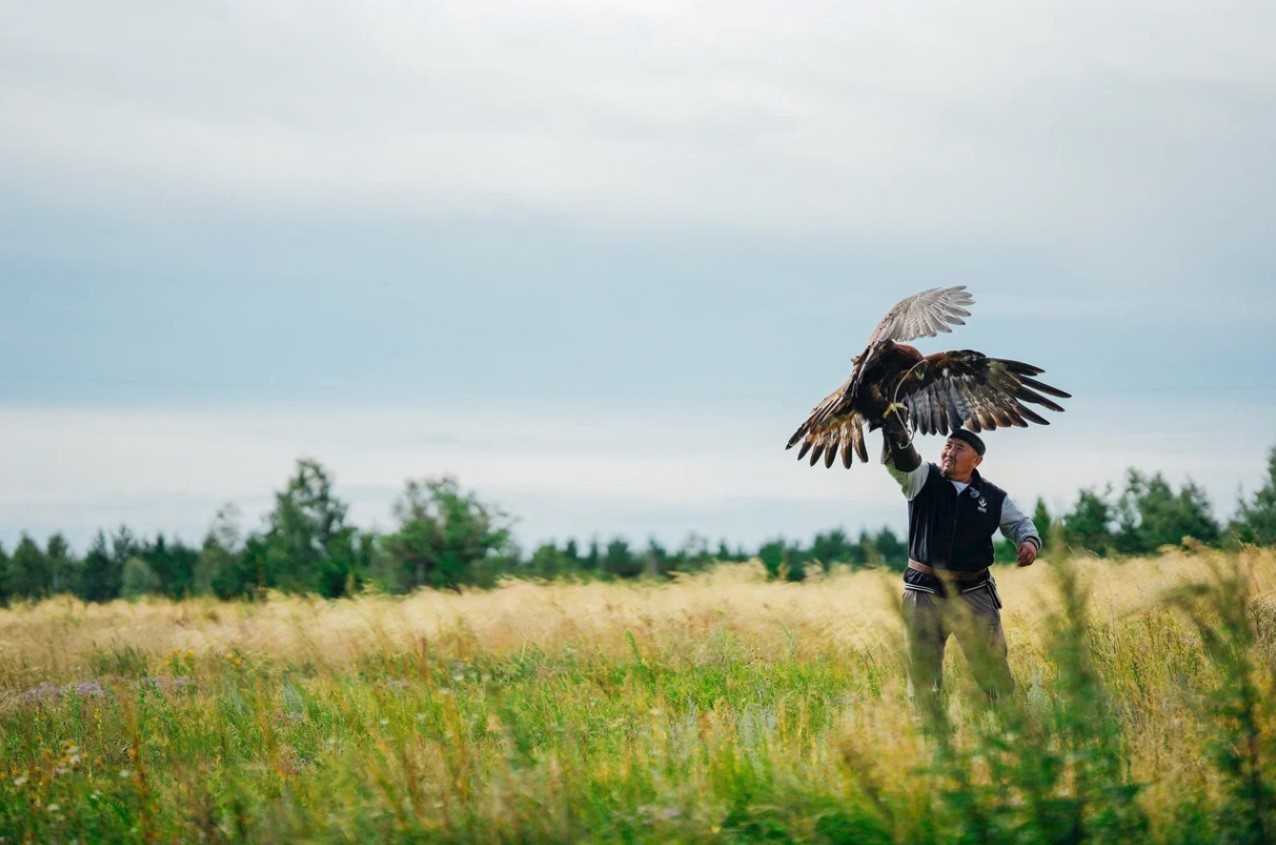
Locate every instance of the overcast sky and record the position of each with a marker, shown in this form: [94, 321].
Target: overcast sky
[598, 260]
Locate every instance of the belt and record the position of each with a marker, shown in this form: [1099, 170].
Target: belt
[951, 574]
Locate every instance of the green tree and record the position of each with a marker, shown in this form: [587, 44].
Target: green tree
[102, 573]
[124, 545]
[694, 552]
[256, 561]
[447, 537]
[1049, 529]
[593, 559]
[656, 559]
[893, 551]
[28, 571]
[219, 568]
[868, 550]
[571, 551]
[1089, 524]
[1041, 519]
[138, 578]
[63, 567]
[1151, 515]
[1195, 515]
[548, 561]
[307, 545]
[1255, 520]
[619, 559]
[783, 559]
[833, 546]
[173, 564]
[724, 552]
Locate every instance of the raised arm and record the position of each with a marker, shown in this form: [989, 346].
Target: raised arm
[901, 458]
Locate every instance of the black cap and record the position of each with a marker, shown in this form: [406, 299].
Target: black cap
[969, 437]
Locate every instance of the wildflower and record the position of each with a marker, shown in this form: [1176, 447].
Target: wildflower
[44, 692]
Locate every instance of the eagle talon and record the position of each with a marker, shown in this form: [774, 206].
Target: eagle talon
[899, 409]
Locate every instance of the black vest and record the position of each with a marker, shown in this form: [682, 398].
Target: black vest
[951, 531]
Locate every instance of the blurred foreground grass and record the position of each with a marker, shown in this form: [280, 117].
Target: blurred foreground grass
[716, 708]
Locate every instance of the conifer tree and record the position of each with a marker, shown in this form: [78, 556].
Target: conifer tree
[63, 567]
[102, 573]
[1255, 520]
[28, 571]
[1089, 524]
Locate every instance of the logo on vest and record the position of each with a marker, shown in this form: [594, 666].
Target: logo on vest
[983, 503]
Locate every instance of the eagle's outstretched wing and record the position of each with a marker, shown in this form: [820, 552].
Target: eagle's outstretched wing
[832, 426]
[924, 314]
[948, 390]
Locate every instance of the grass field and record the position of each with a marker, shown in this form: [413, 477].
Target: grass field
[715, 708]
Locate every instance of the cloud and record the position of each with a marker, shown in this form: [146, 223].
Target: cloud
[611, 252]
[993, 120]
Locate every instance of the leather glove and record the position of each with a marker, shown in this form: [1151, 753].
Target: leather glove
[897, 445]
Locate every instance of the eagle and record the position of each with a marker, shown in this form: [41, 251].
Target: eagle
[933, 393]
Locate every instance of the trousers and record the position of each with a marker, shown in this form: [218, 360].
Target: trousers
[974, 618]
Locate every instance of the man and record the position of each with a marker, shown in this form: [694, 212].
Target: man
[953, 513]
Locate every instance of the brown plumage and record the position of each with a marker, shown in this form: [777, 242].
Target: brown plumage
[939, 392]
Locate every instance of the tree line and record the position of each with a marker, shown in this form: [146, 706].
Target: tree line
[447, 537]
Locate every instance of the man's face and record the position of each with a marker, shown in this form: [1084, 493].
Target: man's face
[958, 459]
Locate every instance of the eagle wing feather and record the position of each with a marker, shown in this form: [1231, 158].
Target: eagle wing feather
[967, 388]
[924, 314]
[833, 427]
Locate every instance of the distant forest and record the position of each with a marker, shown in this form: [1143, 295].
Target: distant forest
[448, 537]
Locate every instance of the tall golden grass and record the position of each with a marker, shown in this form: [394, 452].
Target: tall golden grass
[716, 707]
